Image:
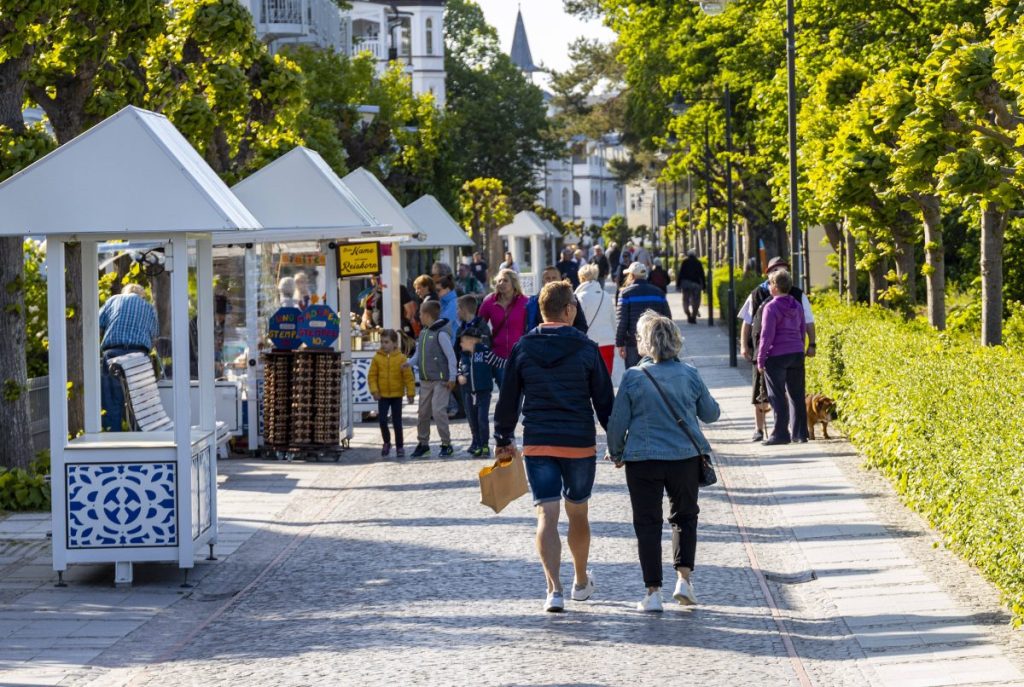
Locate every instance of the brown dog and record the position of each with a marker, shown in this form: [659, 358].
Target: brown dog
[820, 408]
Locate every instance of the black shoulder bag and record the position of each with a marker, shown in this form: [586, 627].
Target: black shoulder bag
[707, 469]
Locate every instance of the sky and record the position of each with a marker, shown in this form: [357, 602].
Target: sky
[548, 27]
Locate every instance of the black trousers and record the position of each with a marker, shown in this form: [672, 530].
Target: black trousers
[394, 407]
[648, 480]
[784, 374]
[633, 356]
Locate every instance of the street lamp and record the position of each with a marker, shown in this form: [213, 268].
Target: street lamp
[801, 274]
[679, 107]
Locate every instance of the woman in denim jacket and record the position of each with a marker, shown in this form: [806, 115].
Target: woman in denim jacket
[659, 455]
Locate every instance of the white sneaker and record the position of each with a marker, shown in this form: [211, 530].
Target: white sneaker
[583, 593]
[651, 603]
[555, 602]
[684, 593]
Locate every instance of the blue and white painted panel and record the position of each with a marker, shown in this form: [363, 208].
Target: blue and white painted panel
[121, 505]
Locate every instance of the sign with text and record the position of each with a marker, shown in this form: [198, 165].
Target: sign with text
[358, 259]
[283, 329]
[319, 326]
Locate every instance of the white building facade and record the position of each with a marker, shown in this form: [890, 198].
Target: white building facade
[408, 31]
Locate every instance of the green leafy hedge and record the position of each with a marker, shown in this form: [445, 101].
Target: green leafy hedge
[745, 283]
[942, 417]
[26, 489]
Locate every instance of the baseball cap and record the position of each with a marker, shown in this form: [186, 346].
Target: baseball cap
[637, 269]
[776, 262]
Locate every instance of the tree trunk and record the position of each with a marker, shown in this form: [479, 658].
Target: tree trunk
[834, 235]
[495, 256]
[906, 266]
[15, 427]
[851, 268]
[934, 260]
[993, 227]
[75, 337]
[876, 281]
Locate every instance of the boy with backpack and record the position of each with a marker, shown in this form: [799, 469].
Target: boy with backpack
[477, 363]
[750, 332]
[435, 357]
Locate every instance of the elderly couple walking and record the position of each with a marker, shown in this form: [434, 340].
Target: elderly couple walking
[556, 376]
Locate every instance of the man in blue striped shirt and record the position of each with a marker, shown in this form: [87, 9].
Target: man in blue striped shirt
[128, 323]
[634, 300]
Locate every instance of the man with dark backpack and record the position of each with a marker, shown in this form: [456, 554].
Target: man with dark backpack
[750, 332]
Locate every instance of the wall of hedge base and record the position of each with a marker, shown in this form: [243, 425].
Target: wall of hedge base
[943, 418]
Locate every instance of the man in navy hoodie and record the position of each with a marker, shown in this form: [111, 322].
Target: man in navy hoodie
[556, 375]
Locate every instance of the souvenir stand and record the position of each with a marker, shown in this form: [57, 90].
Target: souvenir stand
[127, 497]
[306, 210]
[442, 241]
[382, 205]
[528, 237]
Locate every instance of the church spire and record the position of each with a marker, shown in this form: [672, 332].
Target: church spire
[520, 54]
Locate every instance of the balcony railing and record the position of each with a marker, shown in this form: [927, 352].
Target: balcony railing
[374, 46]
[281, 11]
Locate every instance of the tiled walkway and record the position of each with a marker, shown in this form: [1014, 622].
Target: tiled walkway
[376, 571]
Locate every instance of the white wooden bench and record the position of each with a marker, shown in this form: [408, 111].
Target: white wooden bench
[142, 397]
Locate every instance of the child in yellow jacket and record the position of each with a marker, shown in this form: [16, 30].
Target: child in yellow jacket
[388, 377]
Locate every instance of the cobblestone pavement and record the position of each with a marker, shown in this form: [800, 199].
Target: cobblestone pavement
[375, 571]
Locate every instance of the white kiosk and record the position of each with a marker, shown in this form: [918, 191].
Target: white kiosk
[442, 233]
[527, 237]
[382, 205]
[303, 207]
[128, 497]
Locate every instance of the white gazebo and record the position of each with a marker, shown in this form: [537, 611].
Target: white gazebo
[527, 236]
[126, 497]
[300, 202]
[442, 233]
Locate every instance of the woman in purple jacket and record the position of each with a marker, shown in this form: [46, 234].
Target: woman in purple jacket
[780, 357]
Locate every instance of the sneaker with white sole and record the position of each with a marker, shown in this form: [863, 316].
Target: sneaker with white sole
[651, 603]
[555, 602]
[583, 593]
[684, 593]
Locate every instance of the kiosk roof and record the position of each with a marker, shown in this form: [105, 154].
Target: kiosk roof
[379, 201]
[131, 173]
[437, 224]
[528, 223]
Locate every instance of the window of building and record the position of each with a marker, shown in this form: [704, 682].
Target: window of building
[565, 201]
[604, 198]
[430, 36]
[576, 198]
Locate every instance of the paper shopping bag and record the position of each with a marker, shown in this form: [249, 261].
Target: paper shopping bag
[503, 482]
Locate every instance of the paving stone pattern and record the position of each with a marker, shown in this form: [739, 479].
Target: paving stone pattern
[377, 571]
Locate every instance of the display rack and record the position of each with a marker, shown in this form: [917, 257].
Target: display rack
[302, 403]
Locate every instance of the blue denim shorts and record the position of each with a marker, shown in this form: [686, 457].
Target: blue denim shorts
[552, 479]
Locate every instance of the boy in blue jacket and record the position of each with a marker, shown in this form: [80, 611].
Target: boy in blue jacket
[477, 363]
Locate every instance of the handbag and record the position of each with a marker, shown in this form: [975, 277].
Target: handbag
[707, 468]
[503, 482]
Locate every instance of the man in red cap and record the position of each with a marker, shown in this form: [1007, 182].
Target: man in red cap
[750, 332]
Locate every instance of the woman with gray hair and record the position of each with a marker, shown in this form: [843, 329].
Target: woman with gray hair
[660, 455]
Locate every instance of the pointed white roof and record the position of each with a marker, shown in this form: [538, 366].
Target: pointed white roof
[131, 173]
[433, 220]
[528, 223]
[379, 201]
[299, 195]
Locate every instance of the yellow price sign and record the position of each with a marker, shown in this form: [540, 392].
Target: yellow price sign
[358, 259]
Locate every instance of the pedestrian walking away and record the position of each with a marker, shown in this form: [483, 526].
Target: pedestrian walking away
[389, 376]
[556, 378]
[750, 331]
[780, 357]
[437, 365]
[660, 455]
[598, 310]
[128, 324]
[634, 301]
[691, 281]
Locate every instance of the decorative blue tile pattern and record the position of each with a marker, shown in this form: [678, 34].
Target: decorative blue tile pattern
[361, 382]
[121, 505]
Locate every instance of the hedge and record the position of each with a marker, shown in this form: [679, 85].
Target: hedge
[745, 283]
[942, 418]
